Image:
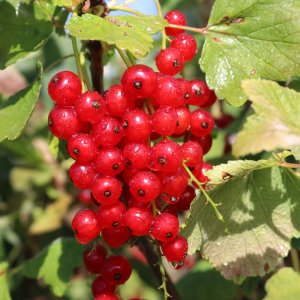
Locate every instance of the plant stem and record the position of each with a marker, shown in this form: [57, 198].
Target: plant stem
[193, 29]
[289, 165]
[208, 199]
[295, 260]
[163, 34]
[126, 9]
[85, 74]
[124, 58]
[77, 60]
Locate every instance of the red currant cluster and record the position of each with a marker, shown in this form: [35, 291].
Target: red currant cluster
[132, 146]
[112, 271]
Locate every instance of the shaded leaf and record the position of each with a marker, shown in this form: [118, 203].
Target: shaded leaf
[51, 218]
[15, 112]
[285, 284]
[130, 33]
[261, 211]
[296, 151]
[55, 264]
[205, 283]
[276, 122]
[26, 30]
[5, 295]
[250, 39]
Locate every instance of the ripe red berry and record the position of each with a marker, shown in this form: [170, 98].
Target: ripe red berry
[145, 186]
[108, 132]
[139, 81]
[116, 237]
[187, 45]
[202, 122]
[110, 161]
[85, 226]
[175, 17]
[116, 101]
[137, 125]
[138, 220]
[93, 258]
[166, 156]
[64, 88]
[186, 199]
[116, 269]
[175, 250]
[137, 155]
[224, 121]
[169, 61]
[82, 147]
[164, 120]
[200, 93]
[90, 107]
[82, 174]
[185, 90]
[204, 141]
[192, 153]
[212, 98]
[165, 227]
[101, 286]
[85, 197]
[110, 216]
[106, 189]
[183, 120]
[107, 296]
[63, 122]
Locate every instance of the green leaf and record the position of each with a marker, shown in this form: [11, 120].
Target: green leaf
[296, 151]
[5, 295]
[55, 264]
[250, 39]
[276, 122]
[261, 211]
[204, 283]
[24, 30]
[15, 112]
[285, 284]
[130, 33]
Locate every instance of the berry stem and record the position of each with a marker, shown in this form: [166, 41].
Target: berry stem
[289, 165]
[126, 9]
[85, 74]
[78, 64]
[188, 28]
[295, 259]
[164, 36]
[124, 57]
[208, 199]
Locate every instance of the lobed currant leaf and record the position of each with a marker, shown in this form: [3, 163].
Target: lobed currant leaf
[276, 122]
[260, 210]
[130, 33]
[250, 39]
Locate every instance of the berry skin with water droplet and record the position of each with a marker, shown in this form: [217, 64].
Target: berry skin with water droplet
[175, 250]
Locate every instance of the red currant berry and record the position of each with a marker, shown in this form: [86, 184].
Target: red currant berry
[192, 153]
[128, 173]
[106, 189]
[85, 226]
[108, 132]
[116, 101]
[176, 250]
[164, 120]
[169, 61]
[93, 258]
[137, 155]
[85, 197]
[110, 161]
[110, 216]
[107, 296]
[82, 147]
[186, 199]
[116, 269]
[137, 125]
[212, 98]
[166, 156]
[63, 122]
[101, 286]
[187, 45]
[202, 122]
[204, 141]
[138, 220]
[183, 120]
[82, 174]
[116, 237]
[90, 107]
[185, 90]
[200, 93]
[64, 87]
[165, 227]
[139, 81]
[145, 186]
[224, 121]
[175, 17]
